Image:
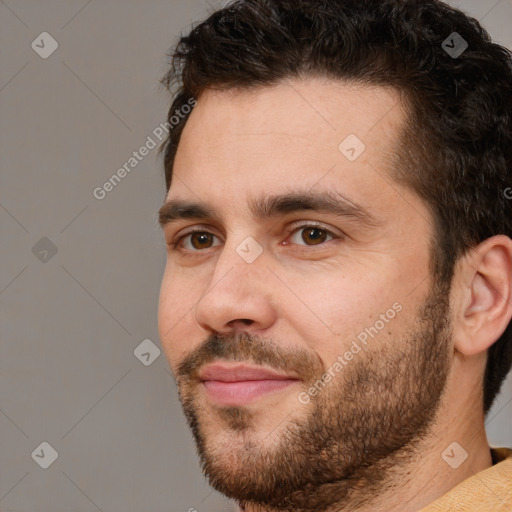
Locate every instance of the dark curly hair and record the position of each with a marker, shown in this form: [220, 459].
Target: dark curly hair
[455, 149]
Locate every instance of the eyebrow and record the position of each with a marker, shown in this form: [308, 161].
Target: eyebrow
[273, 206]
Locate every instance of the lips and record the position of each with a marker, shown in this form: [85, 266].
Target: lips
[241, 384]
[238, 373]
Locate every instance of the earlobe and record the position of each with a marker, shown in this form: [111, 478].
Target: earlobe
[487, 311]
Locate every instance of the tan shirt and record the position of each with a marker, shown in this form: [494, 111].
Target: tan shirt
[489, 490]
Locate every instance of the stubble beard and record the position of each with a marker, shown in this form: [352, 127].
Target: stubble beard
[341, 447]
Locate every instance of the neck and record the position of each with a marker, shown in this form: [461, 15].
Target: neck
[417, 475]
[414, 486]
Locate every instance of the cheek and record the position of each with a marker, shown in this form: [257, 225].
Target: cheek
[331, 310]
[176, 320]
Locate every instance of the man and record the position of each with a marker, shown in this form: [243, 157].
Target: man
[337, 301]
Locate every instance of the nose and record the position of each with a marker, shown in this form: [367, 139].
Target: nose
[238, 298]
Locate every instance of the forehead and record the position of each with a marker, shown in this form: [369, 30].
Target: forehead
[312, 132]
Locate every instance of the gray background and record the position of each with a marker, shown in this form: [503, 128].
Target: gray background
[71, 321]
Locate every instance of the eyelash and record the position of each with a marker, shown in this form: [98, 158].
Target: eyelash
[175, 245]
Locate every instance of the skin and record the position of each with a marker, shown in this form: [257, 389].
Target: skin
[299, 305]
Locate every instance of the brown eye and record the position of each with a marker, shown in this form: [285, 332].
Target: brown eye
[201, 240]
[314, 236]
[311, 235]
[195, 241]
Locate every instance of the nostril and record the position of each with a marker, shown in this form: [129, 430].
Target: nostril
[244, 321]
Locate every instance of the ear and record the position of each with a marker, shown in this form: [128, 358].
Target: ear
[482, 293]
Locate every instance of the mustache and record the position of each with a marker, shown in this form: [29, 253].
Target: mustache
[255, 350]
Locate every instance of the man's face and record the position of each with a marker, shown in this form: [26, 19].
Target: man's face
[294, 251]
